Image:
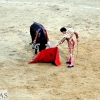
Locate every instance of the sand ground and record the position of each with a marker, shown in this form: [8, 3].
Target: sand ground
[47, 81]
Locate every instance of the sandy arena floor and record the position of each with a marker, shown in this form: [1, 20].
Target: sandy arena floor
[45, 81]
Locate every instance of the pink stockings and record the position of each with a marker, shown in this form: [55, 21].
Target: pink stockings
[71, 60]
[71, 50]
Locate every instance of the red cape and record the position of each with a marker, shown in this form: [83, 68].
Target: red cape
[49, 55]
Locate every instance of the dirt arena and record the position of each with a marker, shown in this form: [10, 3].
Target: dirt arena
[45, 81]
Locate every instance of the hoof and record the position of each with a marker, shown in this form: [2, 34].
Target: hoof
[31, 43]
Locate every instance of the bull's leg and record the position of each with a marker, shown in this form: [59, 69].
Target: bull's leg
[32, 33]
[35, 51]
[42, 47]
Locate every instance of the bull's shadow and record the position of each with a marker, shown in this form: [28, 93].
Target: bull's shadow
[26, 38]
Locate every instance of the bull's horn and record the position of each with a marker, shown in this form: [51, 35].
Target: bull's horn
[36, 45]
[47, 45]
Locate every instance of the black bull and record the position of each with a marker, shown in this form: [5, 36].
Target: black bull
[33, 31]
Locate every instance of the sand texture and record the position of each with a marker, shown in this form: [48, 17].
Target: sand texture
[45, 81]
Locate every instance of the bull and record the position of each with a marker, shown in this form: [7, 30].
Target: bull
[39, 37]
